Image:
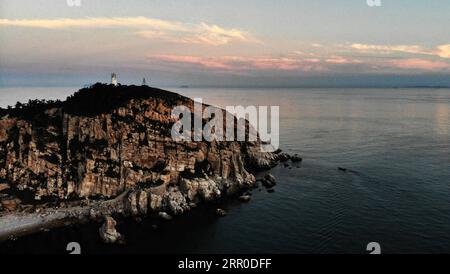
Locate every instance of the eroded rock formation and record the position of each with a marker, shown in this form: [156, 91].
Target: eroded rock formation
[106, 140]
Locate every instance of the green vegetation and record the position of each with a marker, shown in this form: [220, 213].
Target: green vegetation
[31, 109]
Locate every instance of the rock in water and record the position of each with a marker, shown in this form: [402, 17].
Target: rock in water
[283, 157]
[165, 216]
[245, 198]
[221, 212]
[108, 232]
[296, 158]
[266, 183]
[269, 177]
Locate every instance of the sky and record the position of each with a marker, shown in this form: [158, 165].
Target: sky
[260, 43]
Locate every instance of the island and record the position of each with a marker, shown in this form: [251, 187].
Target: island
[107, 151]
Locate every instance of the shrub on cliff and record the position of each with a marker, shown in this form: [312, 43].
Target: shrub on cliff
[102, 98]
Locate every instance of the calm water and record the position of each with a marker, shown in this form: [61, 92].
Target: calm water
[396, 142]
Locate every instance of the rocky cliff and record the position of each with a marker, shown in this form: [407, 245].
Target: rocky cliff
[104, 141]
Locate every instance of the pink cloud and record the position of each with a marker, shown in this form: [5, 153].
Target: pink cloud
[341, 60]
[202, 61]
[241, 63]
[442, 51]
[421, 64]
[238, 63]
[294, 63]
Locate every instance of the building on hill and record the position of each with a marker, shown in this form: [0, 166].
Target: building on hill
[114, 79]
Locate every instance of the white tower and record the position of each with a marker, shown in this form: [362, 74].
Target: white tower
[114, 79]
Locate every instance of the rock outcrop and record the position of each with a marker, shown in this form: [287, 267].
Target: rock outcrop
[108, 232]
[106, 140]
[221, 212]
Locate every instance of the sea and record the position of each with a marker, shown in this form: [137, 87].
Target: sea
[393, 142]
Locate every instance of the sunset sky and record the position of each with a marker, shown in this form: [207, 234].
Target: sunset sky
[225, 43]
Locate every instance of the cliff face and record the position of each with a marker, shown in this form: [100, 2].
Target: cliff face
[106, 140]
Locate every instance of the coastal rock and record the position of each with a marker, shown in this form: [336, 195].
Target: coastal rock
[4, 187]
[10, 204]
[155, 202]
[174, 202]
[105, 141]
[138, 202]
[142, 202]
[258, 160]
[221, 212]
[200, 189]
[283, 157]
[296, 158]
[190, 188]
[269, 177]
[165, 216]
[132, 204]
[268, 181]
[81, 148]
[208, 190]
[245, 198]
[108, 232]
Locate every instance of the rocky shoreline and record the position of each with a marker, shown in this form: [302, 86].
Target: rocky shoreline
[133, 203]
[107, 151]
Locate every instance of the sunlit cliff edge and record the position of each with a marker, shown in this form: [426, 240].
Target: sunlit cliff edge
[108, 150]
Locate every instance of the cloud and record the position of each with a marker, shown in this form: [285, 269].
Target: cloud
[239, 63]
[290, 63]
[202, 61]
[200, 34]
[419, 64]
[390, 48]
[215, 35]
[442, 51]
[149, 28]
[341, 60]
[98, 22]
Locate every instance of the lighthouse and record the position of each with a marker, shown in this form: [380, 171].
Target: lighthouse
[114, 79]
